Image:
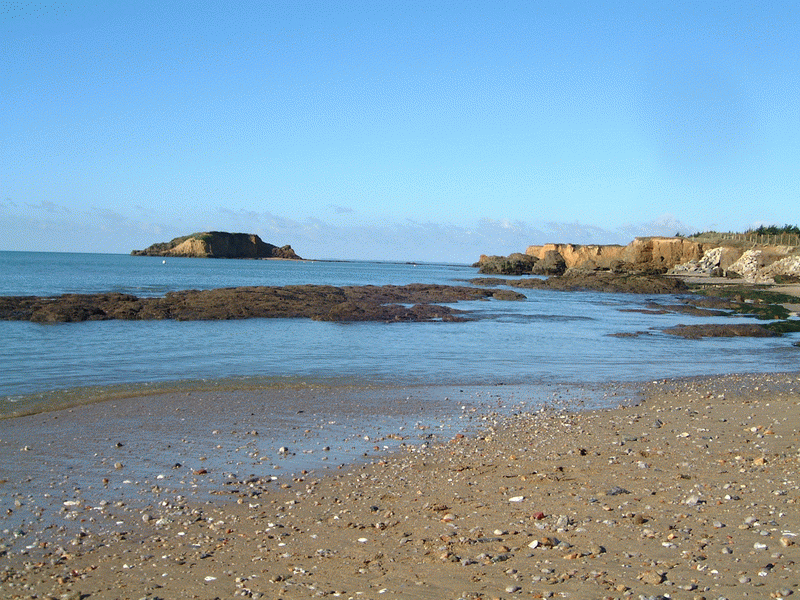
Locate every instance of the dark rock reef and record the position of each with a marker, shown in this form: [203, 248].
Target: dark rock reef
[721, 330]
[753, 302]
[218, 244]
[596, 281]
[416, 302]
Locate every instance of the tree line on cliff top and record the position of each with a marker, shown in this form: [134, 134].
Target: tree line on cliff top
[762, 230]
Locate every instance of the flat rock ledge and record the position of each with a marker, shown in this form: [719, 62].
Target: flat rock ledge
[415, 302]
[721, 330]
[596, 281]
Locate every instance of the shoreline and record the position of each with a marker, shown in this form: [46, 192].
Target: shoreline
[41, 403]
[693, 493]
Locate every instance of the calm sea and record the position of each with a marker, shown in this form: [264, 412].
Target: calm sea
[553, 337]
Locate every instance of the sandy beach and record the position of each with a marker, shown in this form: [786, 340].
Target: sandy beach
[691, 493]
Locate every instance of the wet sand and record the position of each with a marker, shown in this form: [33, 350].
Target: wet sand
[692, 493]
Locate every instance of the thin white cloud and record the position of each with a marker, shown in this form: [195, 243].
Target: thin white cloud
[665, 225]
[102, 230]
[109, 215]
[340, 210]
[50, 207]
[244, 217]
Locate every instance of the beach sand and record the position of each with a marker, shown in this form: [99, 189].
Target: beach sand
[692, 493]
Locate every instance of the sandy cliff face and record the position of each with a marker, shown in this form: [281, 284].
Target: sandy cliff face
[657, 255]
[580, 256]
[681, 257]
[191, 247]
[643, 253]
[219, 245]
[661, 253]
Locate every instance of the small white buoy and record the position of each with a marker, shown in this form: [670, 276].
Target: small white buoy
[163, 262]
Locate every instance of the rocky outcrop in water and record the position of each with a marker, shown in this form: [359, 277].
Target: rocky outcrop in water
[596, 281]
[416, 302]
[551, 263]
[218, 244]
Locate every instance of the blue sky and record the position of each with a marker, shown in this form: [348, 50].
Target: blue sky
[395, 131]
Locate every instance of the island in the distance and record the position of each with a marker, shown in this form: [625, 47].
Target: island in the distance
[219, 244]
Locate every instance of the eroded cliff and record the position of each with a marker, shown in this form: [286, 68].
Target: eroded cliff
[656, 255]
[642, 254]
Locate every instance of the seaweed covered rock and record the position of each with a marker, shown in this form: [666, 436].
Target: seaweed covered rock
[513, 264]
[551, 263]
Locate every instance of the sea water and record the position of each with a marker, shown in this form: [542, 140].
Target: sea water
[551, 337]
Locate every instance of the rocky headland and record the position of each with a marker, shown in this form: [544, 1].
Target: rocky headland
[752, 263]
[715, 278]
[218, 244]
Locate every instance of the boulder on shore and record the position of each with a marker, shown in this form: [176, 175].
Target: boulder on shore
[218, 244]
